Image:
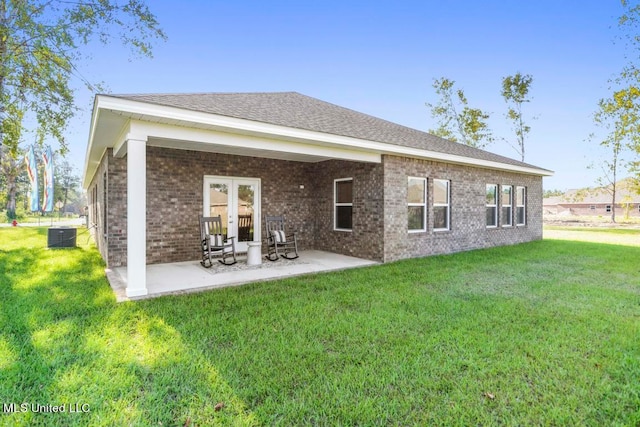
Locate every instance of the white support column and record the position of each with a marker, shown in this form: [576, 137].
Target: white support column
[136, 217]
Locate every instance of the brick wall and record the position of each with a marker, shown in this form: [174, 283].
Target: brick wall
[467, 209]
[366, 238]
[110, 233]
[175, 199]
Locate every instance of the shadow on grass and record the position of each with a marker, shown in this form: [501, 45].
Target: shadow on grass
[64, 341]
[548, 328]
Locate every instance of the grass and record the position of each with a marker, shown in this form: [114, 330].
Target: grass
[544, 333]
[610, 235]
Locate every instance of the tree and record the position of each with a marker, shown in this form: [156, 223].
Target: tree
[469, 126]
[618, 115]
[66, 182]
[629, 77]
[40, 49]
[10, 169]
[515, 91]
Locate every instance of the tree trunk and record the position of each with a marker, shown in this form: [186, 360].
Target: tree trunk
[11, 196]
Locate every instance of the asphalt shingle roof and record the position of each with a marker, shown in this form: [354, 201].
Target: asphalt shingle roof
[303, 112]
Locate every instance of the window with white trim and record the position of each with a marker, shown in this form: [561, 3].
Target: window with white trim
[417, 204]
[343, 204]
[506, 201]
[521, 200]
[492, 205]
[607, 208]
[441, 204]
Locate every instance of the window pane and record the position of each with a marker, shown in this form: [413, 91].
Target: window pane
[506, 195]
[416, 192]
[491, 216]
[344, 191]
[416, 217]
[491, 194]
[246, 220]
[520, 214]
[440, 217]
[520, 196]
[440, 192]
[343, 217]
[506, 216]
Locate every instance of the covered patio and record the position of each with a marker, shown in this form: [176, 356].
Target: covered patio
[189, 276]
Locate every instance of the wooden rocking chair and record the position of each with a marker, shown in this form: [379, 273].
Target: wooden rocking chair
[215, 243]
[279, 244]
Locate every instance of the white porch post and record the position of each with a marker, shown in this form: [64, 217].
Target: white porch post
[136, 217]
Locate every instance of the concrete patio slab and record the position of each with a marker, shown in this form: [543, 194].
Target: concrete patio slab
[190, 276]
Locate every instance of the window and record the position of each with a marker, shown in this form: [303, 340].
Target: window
[343, 202]
[417, 204]
[441, 204]
[507, 205]
[492, 205]
[592, 207]
[608, 208]
[520, 205]
[104, 204]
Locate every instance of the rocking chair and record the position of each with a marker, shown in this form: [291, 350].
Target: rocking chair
[214, 242]
[279, 244]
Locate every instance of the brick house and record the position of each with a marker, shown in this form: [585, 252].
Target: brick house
[347, 182]
[596, 201]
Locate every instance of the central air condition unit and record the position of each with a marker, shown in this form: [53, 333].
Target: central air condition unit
[61, 237]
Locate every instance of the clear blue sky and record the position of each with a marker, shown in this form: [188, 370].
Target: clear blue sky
[381, 57]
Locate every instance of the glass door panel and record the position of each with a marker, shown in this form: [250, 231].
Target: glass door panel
[246, 213]
[219, 202]
[237, 201]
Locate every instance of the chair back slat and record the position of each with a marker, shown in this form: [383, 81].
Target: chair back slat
[211, 225]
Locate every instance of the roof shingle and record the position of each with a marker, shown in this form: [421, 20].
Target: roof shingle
[299, 111]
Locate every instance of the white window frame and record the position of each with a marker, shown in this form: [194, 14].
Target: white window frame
[494, 206]
[336, 204]
[447, 205]
[423, 204]
[523, 205]
[506, 205]
[607, 208]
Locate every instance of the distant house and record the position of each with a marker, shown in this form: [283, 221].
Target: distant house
[595, 201]
[347, 182]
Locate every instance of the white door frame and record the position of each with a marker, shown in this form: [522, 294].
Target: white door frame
[232, 183]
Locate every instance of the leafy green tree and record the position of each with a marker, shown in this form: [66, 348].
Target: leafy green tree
[629, 77]
[40, 49]
[618, 116]
[456, 120]
[66, 181]
[515, 92]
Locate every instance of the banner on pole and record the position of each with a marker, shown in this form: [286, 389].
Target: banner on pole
[32, 171]
[47, 198]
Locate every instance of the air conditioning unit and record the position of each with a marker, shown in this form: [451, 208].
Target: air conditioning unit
[64, 237]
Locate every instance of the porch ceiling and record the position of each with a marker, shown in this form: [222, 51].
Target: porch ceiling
[235, 150]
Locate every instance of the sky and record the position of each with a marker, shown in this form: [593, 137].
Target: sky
[381, 58]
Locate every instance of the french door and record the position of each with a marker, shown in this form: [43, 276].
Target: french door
[237, 201]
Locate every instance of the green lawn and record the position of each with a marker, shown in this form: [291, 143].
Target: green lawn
[545, 333]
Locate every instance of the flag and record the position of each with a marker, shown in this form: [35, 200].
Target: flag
[32, 171]
[47, 197]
